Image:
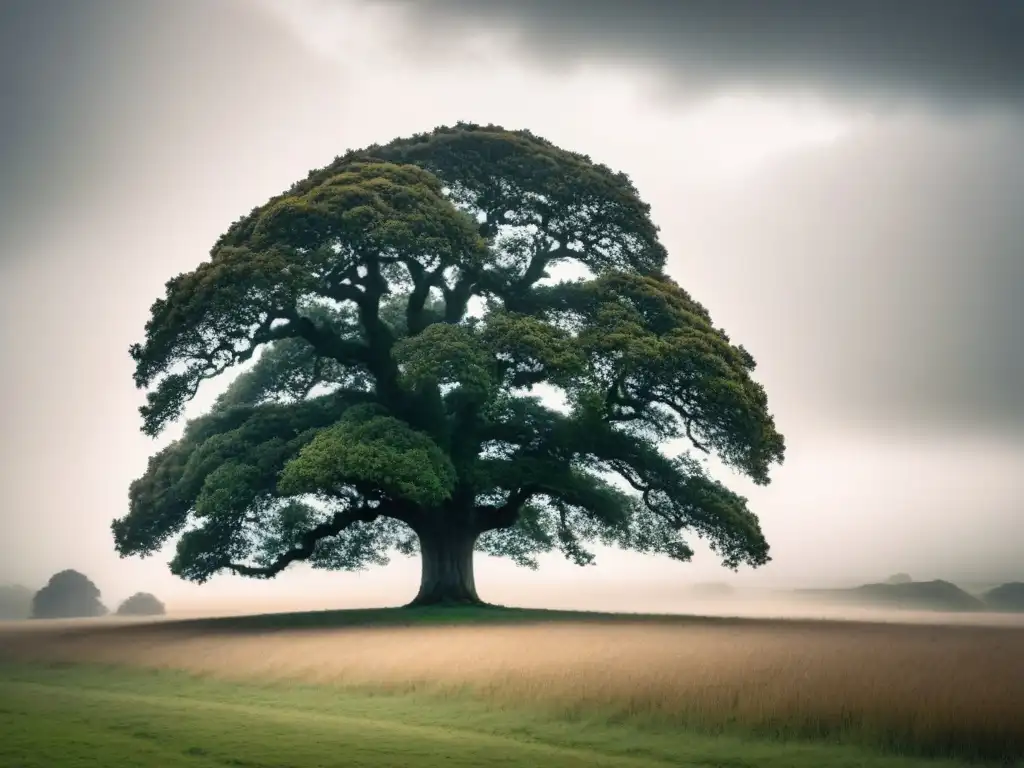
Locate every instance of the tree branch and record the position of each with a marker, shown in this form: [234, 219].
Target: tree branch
[456, 299]
[422, 281]
[264, 334]
[696, 444]
[688, 425]
[308, 541]
[528, 379]
[325, 342]
[506, 515]
[314, 378]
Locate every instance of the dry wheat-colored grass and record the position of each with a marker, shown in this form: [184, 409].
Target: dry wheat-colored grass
[931, 689]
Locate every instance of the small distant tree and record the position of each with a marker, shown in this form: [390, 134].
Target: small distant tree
[15, 602]
[141, 604]
[1006, 597]
[402, 306]
[68, 595]
[899, 578]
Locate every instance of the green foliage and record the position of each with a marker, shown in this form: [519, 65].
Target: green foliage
[301, 245]
[68, 716]
[380, 454]
[68, 595]
[141, 604]
[654, 355]
[1006, 597]
[449, 355]
[398, 307]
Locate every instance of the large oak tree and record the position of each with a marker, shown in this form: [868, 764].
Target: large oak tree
[463, 340]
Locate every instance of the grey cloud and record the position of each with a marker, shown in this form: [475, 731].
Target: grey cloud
[944, 52]
[880, 282]
[69, 76]
[100, 99]
[43, 46]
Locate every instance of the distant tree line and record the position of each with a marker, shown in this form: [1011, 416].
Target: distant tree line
[902, 591]
[70, 594]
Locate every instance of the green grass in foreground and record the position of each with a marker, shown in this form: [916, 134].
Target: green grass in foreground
[61, 716]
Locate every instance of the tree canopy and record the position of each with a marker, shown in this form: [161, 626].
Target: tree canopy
[1006, 597]
[141, 604]
[460, 340]
[68, 595]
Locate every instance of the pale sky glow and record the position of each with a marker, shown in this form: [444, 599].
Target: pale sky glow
[868, 255]
[723, 139]
[734, 137]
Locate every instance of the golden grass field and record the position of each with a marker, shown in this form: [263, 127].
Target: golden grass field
[933, 689]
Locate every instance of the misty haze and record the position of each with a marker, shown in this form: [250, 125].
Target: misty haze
[375, 367]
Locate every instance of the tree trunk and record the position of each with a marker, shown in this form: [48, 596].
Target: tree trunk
[447, 561]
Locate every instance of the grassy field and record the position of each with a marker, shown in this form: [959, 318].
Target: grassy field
[509, 688]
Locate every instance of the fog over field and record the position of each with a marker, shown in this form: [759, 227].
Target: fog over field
[749, 604]
[759, 607]
[854, 217]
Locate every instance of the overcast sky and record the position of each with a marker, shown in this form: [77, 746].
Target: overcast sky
[841, 183]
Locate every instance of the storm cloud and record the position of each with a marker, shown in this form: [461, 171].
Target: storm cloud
[101, 103]
[948, 53]
[892, 269]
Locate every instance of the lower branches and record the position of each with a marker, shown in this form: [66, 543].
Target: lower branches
[308, 542]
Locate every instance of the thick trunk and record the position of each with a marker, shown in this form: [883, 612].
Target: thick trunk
[447, 576]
